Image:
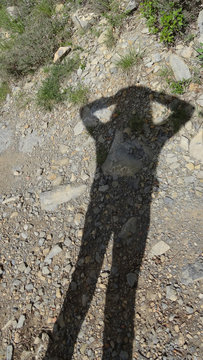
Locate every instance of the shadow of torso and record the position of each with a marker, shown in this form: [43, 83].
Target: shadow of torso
[119, 210]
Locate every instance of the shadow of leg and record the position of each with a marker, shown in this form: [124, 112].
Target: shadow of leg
[81, 289]
[121, 292]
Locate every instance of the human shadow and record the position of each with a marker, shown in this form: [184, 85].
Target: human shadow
[120, 210]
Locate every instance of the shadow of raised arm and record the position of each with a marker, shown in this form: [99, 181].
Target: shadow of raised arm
[181, 111]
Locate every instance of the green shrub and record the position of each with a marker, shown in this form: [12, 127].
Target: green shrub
[35, 46]
[8, 23]
[163, 17]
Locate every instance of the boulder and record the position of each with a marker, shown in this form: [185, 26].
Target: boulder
[81, 21]
[196, 146]
[61, 52]
[180, 69]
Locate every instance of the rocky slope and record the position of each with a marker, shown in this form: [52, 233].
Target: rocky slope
[48, 164]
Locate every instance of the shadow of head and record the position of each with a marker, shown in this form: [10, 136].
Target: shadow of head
[138, 108]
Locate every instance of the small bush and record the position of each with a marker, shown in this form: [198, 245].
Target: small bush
[34, 47]
[163, 17]
[170, 18]
[8, 23]
[43, 32]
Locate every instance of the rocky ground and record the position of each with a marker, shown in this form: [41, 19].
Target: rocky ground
[48, 164]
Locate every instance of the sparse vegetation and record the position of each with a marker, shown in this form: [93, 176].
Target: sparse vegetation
[50, 92]
[199, 50]
[176, 87]
[4, 90]
[77, 95]
[130, 59]
[165, 18]
[33, 44]
[110, 40]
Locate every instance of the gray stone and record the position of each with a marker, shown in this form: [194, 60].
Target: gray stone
[156, 57]
[132, 5]
[5, 138]
[88, 118]
[131, 279]
[200, 22]
[61, 52]
[124, 355]
[9, 352]
[200, 100]
[158, 249]
[21, 321]
[60, 195]
[192, 272]
[180, 69]
[29, 287]
[83, 21]
[120, 161]
[45, 270]
[79, 128]
[184, 143]
[129, 228]
[54, 251]
[196, 146]
[13, 11]
[27, 143]
[171, 293]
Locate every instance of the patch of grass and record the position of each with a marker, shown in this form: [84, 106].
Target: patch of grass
[4, 91]
[199, 50]
[44, 7]
[77, 95]
[110, 40]
[50, 92]
[176, 87]
[10, 24]
[129, 60]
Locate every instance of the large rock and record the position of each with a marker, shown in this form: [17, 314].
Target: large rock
[158, 249]
[51, 199]
[125, 158]
[13, 11]
[180, 69]
[5, 138]
[129, 228]
[29, 142]
[196, 146]
[83, 21]
[200, 100]
[61, 52]
[131, 5]
[200, 25]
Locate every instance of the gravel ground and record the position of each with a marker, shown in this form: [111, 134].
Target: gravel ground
[101, 212]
